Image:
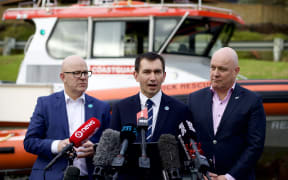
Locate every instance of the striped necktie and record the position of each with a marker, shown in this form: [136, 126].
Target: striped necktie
[149, 105]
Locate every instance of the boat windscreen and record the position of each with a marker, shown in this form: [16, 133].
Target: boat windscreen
[195, 37]
[68, 37]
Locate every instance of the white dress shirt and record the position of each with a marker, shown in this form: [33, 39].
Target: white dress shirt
[156, 99]
[76, 117]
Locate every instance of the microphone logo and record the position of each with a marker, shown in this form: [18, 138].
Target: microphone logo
[142, 118]
[182, 129]
[79, 134]
[190, 125]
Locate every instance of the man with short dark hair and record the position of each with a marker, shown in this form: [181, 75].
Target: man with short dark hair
[167, 111]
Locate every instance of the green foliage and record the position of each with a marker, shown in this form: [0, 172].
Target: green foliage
[21, 32]
[250, 68]
[261, 55]
[267, 55]
[255, 36]
[255, 69]
[9, 67]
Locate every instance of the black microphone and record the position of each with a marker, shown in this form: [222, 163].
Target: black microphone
[187, 131]
[169, 154]
[201, 162]
[142, 124]
[196, 163]
[71, 173]
[108, 147]
[84, 132]
[127, 135]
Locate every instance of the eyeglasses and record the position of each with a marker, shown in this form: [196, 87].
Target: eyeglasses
[78, 74]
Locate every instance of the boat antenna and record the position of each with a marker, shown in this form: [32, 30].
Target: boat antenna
[199, 4]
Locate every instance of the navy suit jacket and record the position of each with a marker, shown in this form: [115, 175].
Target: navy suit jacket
[171, 113]
[49, 122]
[239, 140]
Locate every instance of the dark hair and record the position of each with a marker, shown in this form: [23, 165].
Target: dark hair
[150, 56]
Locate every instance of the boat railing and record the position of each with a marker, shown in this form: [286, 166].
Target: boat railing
[128, 4]
[39, 3]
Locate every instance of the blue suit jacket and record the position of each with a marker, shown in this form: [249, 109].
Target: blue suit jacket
[239, 140]
[49, 122]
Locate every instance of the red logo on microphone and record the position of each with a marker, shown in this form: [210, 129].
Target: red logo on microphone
[79, 134]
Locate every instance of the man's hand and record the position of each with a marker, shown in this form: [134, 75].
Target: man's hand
[85, 150]
[62, 144]
[216, 176]
[221, 177]
[213, 176]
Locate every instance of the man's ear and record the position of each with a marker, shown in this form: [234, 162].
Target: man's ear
[237, 70]
[62, 75]
[164, 76]
[135, 74]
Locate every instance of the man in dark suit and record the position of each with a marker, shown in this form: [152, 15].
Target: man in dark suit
[57, 116]
[229, 120]
[167, 111]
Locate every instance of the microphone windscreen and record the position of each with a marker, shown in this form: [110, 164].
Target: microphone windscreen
[85, 131]
[128, 132]
[108, 147]
[71, 173]
[169, 152]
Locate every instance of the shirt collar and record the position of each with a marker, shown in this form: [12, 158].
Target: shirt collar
[69, 99]
[155, 99]
[231, 89]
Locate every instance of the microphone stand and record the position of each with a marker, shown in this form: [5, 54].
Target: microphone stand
[144, 161]
[189, 163]
[200, 164]
[195, 165]
[66, 151]
[142, 124]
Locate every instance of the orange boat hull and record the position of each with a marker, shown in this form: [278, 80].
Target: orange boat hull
[12, 152]
[274, 93]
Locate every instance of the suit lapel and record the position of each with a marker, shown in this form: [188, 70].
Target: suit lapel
[209, 119]
[89, 106]
[232, 104]
[162, 115]
[61, 109]
[135, 107]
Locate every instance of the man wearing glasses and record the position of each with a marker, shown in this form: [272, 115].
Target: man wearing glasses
[57, 116]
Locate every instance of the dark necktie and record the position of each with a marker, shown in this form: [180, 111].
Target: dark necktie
[149, 105]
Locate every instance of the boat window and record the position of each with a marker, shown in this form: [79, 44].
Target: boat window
[120, 38]
[163, 28]
[68, 37]
[194, 37]
[224, 38]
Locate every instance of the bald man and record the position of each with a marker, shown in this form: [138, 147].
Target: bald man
[229, 120]
[57, 116]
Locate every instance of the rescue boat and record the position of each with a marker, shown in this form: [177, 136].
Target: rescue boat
[109, 35]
